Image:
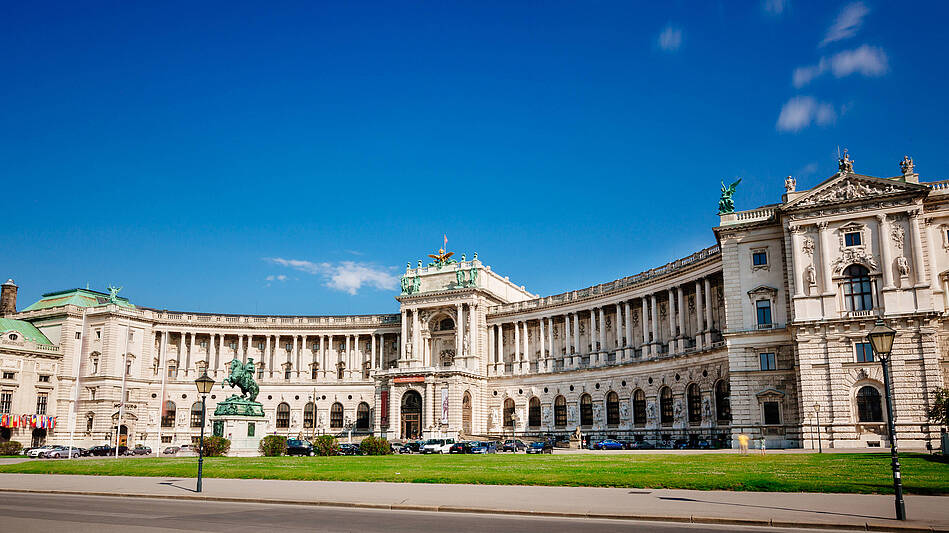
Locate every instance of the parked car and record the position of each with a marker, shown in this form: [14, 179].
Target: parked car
[141, 449]
[171, 450]
[63, 451]
[680, 444]
[349, 449]
[437, 445]
[641, 445]
[37, 452]
[410, 447]
[540, 447]
[608, 444]
[484, 447]
[100, 451]
[460, 447]
[513, 445]
[299, 447]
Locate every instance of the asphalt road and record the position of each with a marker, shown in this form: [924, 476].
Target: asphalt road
[25, 512]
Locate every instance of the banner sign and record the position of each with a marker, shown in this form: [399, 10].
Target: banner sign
[409, 379]
[445, 405]
[384, 415]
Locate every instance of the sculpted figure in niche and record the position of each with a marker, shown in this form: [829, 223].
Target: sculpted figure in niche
[706, 408]
[651, 411]
[677, 412]
[903, 266]
[810, 276]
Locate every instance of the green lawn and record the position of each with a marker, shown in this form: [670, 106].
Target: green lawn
[856, 473]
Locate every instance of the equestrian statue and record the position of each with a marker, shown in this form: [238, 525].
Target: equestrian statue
[242, 377]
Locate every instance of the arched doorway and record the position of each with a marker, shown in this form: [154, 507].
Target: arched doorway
[362, 417]
[466, 413]
[39, 437]
[411, 415]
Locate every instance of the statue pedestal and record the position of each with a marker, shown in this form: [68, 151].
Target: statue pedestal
[244, 432]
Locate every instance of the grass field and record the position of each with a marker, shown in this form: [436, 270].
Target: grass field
[854, 473]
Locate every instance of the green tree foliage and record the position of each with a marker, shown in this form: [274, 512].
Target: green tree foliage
[939, 410]
[11, 447]
[375, 446]
[216, 446]
[273, 445]
[326, 445]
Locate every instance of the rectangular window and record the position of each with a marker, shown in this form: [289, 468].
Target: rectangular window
[166, 439]
[172, 371]
[763, 307]
[41, 399]
[768, 361]
[852, 239]
[314, 371]
[772, 413]
[759, 258]
[286, 373]
[9, 375]
[260, 372]
[98, 334]
[44, 378]
[864, 352]
[6, 401]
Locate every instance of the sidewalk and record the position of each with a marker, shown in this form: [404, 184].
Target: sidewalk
[864, 512]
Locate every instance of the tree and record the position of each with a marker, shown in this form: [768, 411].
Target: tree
[939, 410]
[273, 445]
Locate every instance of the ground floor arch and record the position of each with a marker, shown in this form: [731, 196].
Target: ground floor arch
[411, 410]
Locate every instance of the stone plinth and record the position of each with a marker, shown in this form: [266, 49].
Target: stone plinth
[244, 432]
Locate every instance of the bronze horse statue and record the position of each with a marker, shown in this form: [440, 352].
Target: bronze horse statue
[242, 376]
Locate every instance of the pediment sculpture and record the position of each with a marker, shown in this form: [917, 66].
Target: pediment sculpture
[849, 189]
[850, 256]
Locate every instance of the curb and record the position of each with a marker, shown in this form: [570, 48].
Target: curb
[866, 526]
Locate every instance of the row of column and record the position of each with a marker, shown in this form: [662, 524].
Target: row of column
[624, 346]
[351, 353]
[417, 351]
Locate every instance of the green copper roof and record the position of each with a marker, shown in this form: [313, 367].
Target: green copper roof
[80, 297]
[24, 328]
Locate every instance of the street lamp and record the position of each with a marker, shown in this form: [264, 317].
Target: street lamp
[204, 384]
[820, 448]
[881, 340]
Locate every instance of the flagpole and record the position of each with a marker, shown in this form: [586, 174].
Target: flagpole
[164, 374]
[75, 393]
[124, 370]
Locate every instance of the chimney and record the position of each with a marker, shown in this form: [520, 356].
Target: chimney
[8, 298]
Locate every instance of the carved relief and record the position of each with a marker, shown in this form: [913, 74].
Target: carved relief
[808, 246]
[854, 255]
[849, 189]
[898, 236]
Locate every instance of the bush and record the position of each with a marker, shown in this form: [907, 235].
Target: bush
[11, 447]
[325, 445]
[216, 446]
[273, 446]
[375, 446]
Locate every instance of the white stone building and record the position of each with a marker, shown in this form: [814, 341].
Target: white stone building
[745, 336]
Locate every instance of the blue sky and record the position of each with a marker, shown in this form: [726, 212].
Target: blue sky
[252, 158]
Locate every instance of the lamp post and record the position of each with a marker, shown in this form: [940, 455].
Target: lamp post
[204, 384]
[820, 448]
[881, 340]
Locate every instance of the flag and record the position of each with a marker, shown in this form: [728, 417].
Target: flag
[446, 242]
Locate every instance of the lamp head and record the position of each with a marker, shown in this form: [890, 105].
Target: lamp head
[881, 339]
[816, 407]
[204, 383]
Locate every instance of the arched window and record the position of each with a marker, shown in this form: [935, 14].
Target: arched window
[560, 412]
[196, 415]
[168, 416]
[723, 406]
[309, 415]
[362, 416]
[508, 413]
[639, 408]
[869, 408]
[857, 294]
[694, 399]
[283, 415]
[586, 410]
[336, 416]
[533, 412]
[666, 414]
[612, 409]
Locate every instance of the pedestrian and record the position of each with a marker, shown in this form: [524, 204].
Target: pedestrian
[761, 446]
[742, 444]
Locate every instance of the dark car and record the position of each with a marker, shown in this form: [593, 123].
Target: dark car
[171, 450]
[140, 449]
[608, 444]
[410, 447]
[541, 447]
[484, 447]
[299, 447]
[513, 445]
[348, 449]
[101, 451]
[641, 445]
[460, 447]
[681, 444]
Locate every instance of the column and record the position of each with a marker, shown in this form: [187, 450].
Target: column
[542, 337]
[672, 319]
[459, 330]
[429, 406]
[655, 321]
[628, 322]
[681, 301]
[416, 338]
[375, 362]
[220, 350]
[292, 356]
[885, 256]
[699, 315]
[268, 360]
[708, 312]
[492, 352]
[550, 342]
[576, 336]
[473, 331]
[796, 263]
[182, 356]
[526, 355]
[325, 345]
[567, 339]
[919, 266]
[402, 339]
[618, 328]
[602, 332]
[644, 320]
[825, 247]
[346, 356]
[517, 348]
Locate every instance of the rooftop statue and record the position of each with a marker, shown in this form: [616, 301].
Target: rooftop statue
[845, 164]
[114, 293]
[725, 203]
[442, 258]
[906, 165]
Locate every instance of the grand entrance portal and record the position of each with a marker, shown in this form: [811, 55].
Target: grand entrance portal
[411, 415]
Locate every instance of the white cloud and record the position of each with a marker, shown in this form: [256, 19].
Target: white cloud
[868, 60]
[774, 7]
[346, 276]
[847, 23]
[279, 277]
[670, 40]
[801, 111]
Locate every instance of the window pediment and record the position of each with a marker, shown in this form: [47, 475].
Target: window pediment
[770, 394]
[762, 291]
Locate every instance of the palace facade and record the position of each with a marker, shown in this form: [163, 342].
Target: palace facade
[762, 333]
